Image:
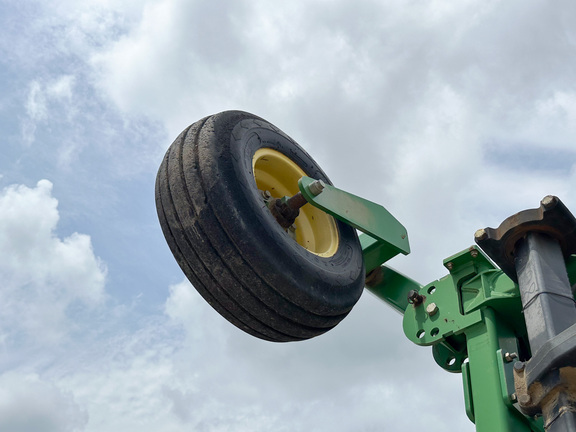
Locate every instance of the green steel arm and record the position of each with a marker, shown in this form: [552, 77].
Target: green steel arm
[472, 318]
[387, 236]
[383, 238]
[391, 286]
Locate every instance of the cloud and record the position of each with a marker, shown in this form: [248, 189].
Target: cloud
[191, 370]
[28, 404]
[42, 275]
[374, 91]
[346, 379]
[454, 115]
[44, 100]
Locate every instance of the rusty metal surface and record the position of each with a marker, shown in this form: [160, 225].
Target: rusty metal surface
[552, 218]
[286, 212]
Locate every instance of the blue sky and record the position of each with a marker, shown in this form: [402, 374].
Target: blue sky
[453, 115]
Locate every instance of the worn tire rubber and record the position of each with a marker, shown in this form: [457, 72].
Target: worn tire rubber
[232, 249]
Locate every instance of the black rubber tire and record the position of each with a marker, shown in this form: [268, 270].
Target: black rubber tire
[232, 249]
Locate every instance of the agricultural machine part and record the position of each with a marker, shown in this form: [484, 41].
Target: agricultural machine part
[384, 238]
[286, 209]
[276, 253]
[279, 284]
[537, 242]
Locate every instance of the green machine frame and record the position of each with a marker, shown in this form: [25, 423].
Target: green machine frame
[476, 318]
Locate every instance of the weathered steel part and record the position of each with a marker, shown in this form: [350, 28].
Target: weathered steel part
[551, 218]
[546, 384]
[415, 298]
[284, 214]
[472, 318]
[549, 310]
[547, 300]
[387, 236]
[458, 299]
[391, 286]
[286, 210]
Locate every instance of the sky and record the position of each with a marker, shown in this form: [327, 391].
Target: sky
[452, 114]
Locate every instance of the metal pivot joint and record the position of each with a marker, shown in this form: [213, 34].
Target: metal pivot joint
[286, 210]
[531, 248]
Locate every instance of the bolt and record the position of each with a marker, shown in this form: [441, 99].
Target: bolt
[480, 235]
[296, 201]
[266, 194]
[415, 298]
[549, 201]
[519, 366]
[524, 399]
[510, 356]
[450, 266]
[474, 253]
[316, 187]
[431, 309]
[513, 397]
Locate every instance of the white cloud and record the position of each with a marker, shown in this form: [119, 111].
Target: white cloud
[43, 101]
[347, 379]
[36, 104]
[441, 111]
[42, 275]
[28, 404]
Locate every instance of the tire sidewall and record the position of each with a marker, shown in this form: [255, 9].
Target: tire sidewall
[329, 285]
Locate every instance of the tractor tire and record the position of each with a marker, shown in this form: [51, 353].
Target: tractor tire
[276, 284]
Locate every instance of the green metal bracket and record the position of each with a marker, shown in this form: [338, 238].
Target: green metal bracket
[391, 286]
[386, 237]
[472, 318]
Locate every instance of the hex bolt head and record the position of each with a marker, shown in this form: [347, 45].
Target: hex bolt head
[513, 397]
[316, 187]
[431, 309]
[450, 266]
[524, 399]
[415, 298]
[549, 201]
[510, 356]
[519, 366]
[480, 235]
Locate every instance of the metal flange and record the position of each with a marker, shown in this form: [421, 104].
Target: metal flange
[552, 218]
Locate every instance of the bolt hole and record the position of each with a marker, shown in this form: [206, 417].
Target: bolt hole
[450, 361]
[432, 289]
[434, 332]
[420, 334]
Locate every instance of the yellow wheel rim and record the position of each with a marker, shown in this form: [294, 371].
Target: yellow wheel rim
[314, 230]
